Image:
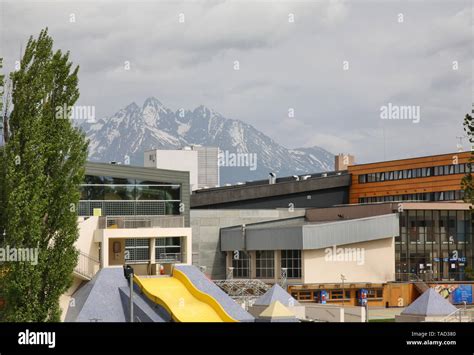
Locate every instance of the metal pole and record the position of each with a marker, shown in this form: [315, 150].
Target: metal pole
[343, 293]
[367, 311]
[131, 298]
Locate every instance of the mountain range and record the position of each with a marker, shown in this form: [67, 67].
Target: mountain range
[134, 129]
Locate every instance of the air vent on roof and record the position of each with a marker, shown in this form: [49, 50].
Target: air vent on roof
[271, 178]
[296, 177]
[306, 177]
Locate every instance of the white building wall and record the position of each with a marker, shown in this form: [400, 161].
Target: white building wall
[377, 266]
[181, 160]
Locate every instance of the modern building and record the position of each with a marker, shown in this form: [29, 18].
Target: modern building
[430, 178]
[315, 190]
[407, 216]
[313, 258]
[206, 227]
[201, 162]
[135, 215]
[131, 215]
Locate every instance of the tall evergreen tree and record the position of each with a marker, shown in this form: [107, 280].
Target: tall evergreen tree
[44, 158]
[2, 190]
[467, 182]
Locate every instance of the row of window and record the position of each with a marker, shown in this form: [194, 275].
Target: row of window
[415, 173]
[166, 249]
[336, 294]
[129, 192]
[452, 195]
[265, 263]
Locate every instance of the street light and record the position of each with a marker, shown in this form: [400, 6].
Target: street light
[343, 278]
[128, 273]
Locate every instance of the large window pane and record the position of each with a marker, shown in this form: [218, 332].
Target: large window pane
[265, 262]
[241, 264]
[291, 260]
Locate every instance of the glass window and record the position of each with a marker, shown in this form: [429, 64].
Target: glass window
[137, 249]
[291, 260]
[390, 175]
[362, 179]
[241, 263]
[168, 249]
[265, 263]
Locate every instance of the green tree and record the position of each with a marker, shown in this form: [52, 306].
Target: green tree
[44, 157]
[2, 184]
[467, 182]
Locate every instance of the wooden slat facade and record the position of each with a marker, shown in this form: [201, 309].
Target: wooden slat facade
[406, 186]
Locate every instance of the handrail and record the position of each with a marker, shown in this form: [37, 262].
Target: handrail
[162, 221]
[86, 265]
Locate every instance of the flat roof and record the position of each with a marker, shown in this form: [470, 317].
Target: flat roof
[413, 158]
[309, 236]
[245, 192]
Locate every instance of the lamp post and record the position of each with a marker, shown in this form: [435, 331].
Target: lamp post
[343, 278]
[128, 273]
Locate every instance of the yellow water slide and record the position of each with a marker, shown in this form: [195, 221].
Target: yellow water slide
[184, 301]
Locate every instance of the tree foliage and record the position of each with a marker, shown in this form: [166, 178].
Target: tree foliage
[44, 161]
[467, 182]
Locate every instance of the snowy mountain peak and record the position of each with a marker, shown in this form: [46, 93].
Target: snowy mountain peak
[135, 129]
[152, 102]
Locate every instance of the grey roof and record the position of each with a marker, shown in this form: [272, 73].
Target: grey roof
[255, 190]
[295, 234]
[205, 285]
[99, 300]
[106, 299]
[430, 303]
[144, 310]
[276, 293]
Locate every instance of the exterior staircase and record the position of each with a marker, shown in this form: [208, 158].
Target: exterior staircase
[87, 266]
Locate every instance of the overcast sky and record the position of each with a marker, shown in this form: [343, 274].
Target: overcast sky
[283, 65]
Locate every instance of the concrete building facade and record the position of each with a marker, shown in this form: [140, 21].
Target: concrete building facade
[201, 162]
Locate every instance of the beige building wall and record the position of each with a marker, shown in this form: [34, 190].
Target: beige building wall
[378, 264]
[85, 242]
[105, 236]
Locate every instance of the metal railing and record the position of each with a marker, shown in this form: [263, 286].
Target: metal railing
[425, 277]
[141, 222]
[87, 266]
[169, 258]
[128, 207]
[460, 315]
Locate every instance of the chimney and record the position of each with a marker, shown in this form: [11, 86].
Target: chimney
[342, 161]
[271, 178]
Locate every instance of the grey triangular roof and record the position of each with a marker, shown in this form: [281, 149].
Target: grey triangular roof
[99, 300]
[430, 303]
[276, 293]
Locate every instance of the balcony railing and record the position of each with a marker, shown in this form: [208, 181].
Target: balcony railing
[169, 258]
[128, 207]
[87, 266]
[109, 222]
